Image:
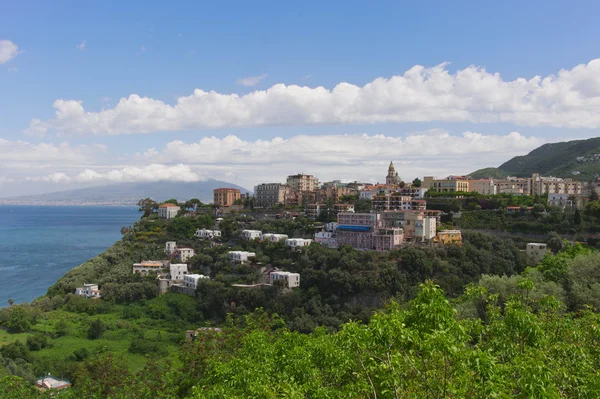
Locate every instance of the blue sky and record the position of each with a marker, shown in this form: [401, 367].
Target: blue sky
[107, 51]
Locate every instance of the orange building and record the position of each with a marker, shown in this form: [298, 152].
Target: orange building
[226, 196]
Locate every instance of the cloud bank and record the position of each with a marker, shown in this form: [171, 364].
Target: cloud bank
[571, 99]
[249, 162]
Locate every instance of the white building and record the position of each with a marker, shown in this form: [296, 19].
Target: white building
[204, 233]
[178, 270]
[170, 247]
[251, 234]
[191, 280]
[273, 237]
[149, 266]
[297, 242]
[291, 279]
[88, 291]
[535, 252]
[241, 256]
[183, 254]
[426, 229]
[168, 211]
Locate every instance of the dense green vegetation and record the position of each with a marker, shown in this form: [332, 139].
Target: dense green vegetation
[553, 159]
[527, 336]
[328, 338]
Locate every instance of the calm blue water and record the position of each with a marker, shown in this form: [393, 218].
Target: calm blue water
[39, 244]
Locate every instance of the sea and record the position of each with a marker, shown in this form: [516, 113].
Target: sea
[39, 244]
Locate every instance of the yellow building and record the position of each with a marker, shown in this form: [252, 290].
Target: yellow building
[448, 237]
[449, 184]
[226, 196]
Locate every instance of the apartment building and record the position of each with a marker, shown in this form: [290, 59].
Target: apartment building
[449, 184]
[393, 202]
[267, 195]
[302, 182]
[512, 185]
[225, 196]
[483, 186]
[387, 238]
[295, 243]
[540, 185]
[184, 254]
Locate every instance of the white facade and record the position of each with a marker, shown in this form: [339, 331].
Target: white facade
[273, 237]
[240, 256]
[297, 242]
[191, 280]
[291, 279]
[251, 234]
[426, 228]
[168, 211]
[88, 291]
[170, 247]
[178, 270]
[326, 239]
[183, 254]
[204, 233]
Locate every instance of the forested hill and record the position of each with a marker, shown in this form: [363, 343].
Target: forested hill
[553, 159]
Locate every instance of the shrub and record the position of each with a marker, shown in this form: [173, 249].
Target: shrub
[37, 342]
[96, 329]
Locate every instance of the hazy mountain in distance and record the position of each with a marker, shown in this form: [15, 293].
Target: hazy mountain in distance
[127, 193]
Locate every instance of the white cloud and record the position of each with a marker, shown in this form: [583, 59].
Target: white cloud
[23, 153]
[8, 51]
[569, 99]
[307, 76]
[4, 179]
[81, 46]
[14, 69]
[347, 157]
[143, 48]
[106, 98]
[251, 80]
[153, 172]
[57, 177]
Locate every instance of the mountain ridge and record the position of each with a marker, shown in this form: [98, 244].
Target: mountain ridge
[568, 159]
[126, 193]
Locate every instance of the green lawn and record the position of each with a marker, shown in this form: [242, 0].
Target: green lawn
[116, 339]
[8, 338]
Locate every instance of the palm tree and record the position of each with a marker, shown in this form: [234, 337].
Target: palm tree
[11, 301]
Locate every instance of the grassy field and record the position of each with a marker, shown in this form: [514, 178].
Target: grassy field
[8, 338]
[68, 332]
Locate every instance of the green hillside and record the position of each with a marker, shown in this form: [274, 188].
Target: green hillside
[553, 159]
